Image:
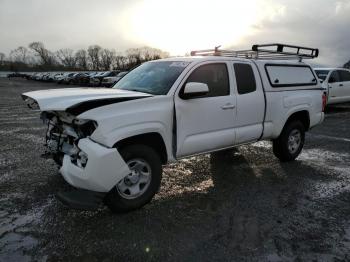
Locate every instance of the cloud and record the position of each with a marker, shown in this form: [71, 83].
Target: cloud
[322, 24]
[80, 23]
[61, 23]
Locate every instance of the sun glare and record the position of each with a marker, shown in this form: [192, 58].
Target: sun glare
[183, 25]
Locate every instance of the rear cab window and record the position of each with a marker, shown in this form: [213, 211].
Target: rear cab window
[245, 78]
[285, 75]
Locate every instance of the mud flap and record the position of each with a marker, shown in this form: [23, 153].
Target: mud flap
[81, 199]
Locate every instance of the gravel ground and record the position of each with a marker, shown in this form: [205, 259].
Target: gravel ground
[238, 205]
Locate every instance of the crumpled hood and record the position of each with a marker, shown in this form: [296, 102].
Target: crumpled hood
[64, 98]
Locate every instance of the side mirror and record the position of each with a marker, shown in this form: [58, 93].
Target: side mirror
[194, 89]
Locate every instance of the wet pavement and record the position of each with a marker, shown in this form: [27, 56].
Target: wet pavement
[237, 205]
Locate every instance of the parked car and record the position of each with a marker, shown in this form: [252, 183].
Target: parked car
[112, 142]
[39, 76]
[67, 79]
[80, 79]
[59, 79]
[97, 79]
[336, 82]
[49, 77]
[111, 80]
[45, 77]
[57, 76]
[15, 74]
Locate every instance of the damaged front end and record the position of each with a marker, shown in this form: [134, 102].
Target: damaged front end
[63, 133]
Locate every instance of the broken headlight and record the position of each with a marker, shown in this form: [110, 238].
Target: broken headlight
[31, 103]
[85, 127]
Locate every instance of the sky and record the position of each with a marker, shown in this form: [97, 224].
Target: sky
[178, 26]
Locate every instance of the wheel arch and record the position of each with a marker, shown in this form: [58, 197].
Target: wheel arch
[303, 116]
[151, 139]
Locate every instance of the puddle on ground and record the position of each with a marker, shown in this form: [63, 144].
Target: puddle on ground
[16, 241]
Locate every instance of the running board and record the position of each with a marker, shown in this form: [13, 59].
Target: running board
[81, 199]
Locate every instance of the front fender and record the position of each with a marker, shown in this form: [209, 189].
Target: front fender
[114, 136]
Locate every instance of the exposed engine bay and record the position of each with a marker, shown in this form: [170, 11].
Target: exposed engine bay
[63, 133]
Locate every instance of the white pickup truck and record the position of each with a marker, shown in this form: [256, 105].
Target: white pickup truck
[336, 82]
[111, 143]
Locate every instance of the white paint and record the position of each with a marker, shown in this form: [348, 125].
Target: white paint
[60, 99]
[104, 168]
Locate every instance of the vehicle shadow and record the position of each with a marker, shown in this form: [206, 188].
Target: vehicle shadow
[337, 108]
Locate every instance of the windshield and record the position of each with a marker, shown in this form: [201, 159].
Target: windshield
[322, 74]
[152, 77]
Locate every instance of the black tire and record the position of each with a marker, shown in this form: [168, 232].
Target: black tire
[281, 148]
[114, 199]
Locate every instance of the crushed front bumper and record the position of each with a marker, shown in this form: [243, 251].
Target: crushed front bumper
[103, 170]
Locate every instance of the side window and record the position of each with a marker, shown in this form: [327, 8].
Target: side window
[285, 75]
[345, 75]
[245, 78]
[334, 77]
[215, 76]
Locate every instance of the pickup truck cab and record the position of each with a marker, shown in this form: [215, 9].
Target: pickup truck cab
[113, 142]
[336, 81]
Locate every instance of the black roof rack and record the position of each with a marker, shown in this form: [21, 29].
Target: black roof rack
[265, 51]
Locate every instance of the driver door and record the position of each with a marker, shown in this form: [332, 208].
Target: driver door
[206, 123]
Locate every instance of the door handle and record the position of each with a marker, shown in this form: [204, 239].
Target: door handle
[227, 106]
[340, 84]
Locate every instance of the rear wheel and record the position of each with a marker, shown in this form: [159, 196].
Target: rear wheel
[289, 144]
[143, 182]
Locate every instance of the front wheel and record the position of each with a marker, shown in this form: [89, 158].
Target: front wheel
[143, 182]
[289, 144]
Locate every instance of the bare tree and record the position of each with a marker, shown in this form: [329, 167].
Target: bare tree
[94, 55]
[121, 62]
[134, 57]
[19, 55]
[81, 57]
[2, 58]
[45, 56]
[149, 53]
[107, 58]
[67, 58]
